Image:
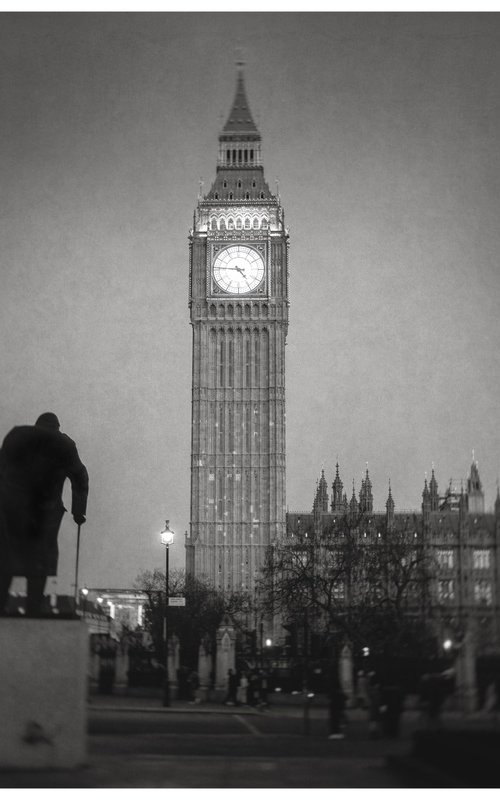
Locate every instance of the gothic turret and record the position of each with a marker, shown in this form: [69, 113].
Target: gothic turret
[389, 508]
[475, 494]
[353, 505]
[426, 501]
[433, 492]
[338, 504]
[365, 495]
[320, 505]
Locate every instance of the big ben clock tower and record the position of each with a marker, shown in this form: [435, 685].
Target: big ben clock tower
[238, 298]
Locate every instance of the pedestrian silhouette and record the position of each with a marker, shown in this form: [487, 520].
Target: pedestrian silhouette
[374, 705]
[336, 706]
[232, 687]
[35, 461]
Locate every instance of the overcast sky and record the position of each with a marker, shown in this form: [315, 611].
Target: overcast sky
[383, 130]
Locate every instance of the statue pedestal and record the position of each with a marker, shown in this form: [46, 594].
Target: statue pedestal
[43, 691]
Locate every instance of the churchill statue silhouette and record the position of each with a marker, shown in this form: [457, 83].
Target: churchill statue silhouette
[35, 461]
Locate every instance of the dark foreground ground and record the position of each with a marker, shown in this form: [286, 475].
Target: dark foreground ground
[135, 743]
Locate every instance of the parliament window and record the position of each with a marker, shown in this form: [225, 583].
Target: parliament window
[481, 559]
[446, 591]
[339, 591]
[445, 559]
[483, 593]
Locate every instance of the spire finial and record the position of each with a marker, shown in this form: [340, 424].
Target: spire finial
[238, 57]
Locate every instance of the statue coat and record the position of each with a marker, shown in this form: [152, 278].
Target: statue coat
[34, 464]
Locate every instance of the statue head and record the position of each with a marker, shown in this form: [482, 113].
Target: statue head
[48, 420]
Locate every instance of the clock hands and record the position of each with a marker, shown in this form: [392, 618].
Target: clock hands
[241, 271]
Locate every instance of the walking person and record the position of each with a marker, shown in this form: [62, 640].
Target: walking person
[374, 705]
[392, 703]
[232, 686]
[362, 690]
[264, 685]
[193, 682]
[336, 709]
[35, 461]
[242, 691]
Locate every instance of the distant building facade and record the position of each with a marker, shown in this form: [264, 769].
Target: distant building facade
[124, 607]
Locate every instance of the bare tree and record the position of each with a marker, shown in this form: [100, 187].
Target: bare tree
[205, 609]
[353, 577]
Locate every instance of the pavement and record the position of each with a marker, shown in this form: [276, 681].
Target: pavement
[134, 742]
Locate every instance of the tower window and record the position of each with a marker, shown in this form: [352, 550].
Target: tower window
[216, 196]
[231, 434]
[248, 444]
[228, 155]
[239, 184]
[254, 184]
[234, 155]
[248, 364]
[262, 195]
[225, 184]
[251, 155]
[230, 365]
[247, 196]
[221, 363]
[230, 195]
[239, 155]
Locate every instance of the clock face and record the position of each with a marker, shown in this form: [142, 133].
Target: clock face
[238, 269]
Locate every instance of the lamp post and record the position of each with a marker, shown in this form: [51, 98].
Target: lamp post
[166, 538]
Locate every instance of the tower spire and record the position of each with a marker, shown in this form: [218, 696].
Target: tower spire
[240, 174]
[240, 118]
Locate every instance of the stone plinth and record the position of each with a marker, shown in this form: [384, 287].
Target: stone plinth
[226, 656]
[43, 693]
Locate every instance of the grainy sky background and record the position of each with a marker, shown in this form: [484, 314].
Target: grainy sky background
[383, 130]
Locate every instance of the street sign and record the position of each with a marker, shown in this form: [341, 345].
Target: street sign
[177, 601]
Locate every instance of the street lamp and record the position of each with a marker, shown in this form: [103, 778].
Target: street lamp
[166, 538]
[84, 593]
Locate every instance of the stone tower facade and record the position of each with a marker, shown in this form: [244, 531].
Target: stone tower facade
[238, 299]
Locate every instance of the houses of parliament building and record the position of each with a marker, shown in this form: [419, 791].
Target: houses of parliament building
[461, 540]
